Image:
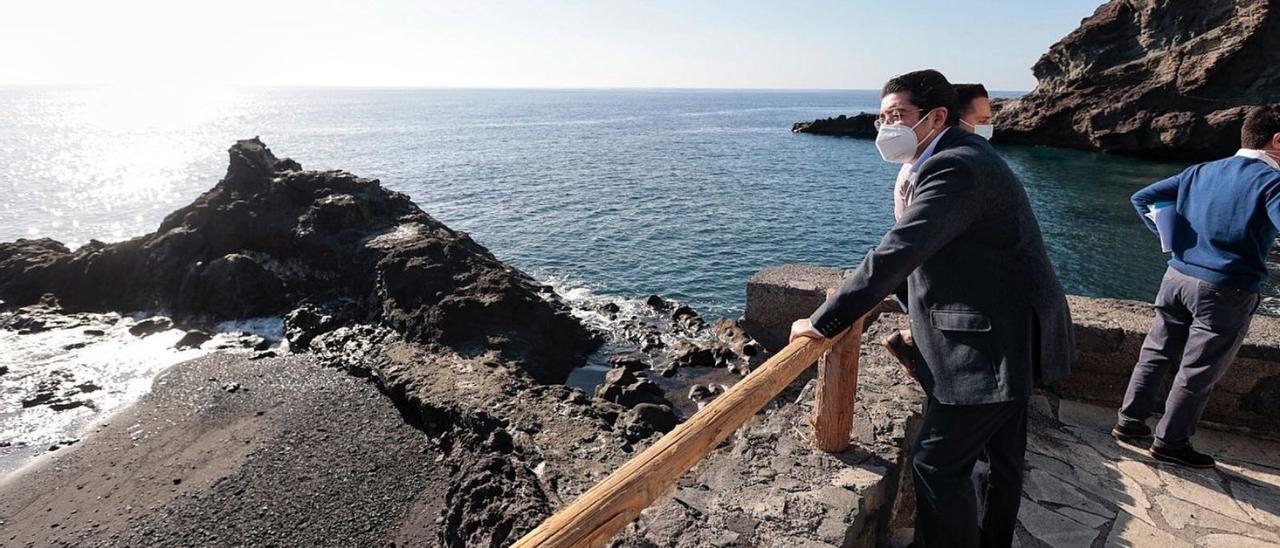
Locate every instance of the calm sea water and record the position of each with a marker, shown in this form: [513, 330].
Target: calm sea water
[624, 192]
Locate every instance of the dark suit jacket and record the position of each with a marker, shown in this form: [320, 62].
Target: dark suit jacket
[988, 314]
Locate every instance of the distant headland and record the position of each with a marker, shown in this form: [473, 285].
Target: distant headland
[1140, 78]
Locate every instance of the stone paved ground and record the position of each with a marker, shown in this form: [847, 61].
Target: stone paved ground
[1083, 488]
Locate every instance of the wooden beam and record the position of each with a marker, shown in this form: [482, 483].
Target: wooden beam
[837, 392]
[597, 515]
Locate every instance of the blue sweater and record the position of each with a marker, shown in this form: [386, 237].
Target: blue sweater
[1228, 216]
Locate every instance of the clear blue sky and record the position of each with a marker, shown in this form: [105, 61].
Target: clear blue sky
[555, 43]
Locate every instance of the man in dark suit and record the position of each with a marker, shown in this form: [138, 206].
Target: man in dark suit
[989, 318]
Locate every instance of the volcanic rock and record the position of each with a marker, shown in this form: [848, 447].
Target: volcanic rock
[624, 388]
[193, 339]
[646, 419]
[860, 125]
[687, 354]
[1161, 79]
[704, 393]
[306, 323]
[256, 291]
[270, 237]
[151, 326]
[630, 361]
[656, 302]
[688, 318]
[735, 338]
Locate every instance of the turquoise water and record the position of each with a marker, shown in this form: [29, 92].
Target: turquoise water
[624, 192]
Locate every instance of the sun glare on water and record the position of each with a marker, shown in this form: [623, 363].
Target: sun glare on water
[150, 108]
[127, 144]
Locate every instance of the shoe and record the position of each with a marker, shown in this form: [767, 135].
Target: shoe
[1185, 456]
[1135, 432]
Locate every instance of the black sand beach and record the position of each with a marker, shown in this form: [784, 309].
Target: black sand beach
[211, 458]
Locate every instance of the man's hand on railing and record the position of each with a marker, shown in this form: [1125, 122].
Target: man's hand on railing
[802, 328]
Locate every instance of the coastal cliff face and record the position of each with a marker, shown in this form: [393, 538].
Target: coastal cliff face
[1161, 79]
[328, 248]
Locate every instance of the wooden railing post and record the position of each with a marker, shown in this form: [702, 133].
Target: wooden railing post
[597, 515]
[837, 391]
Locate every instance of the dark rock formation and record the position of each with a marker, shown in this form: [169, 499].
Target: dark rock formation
[151, 326]
[736, 339]
[270, 237]
[702, 393]
[625, 388]
[646, 419]
[52, 391]
[1166, 79]
[861, 125]
[672, 340]
[632, 361]
[193, 339]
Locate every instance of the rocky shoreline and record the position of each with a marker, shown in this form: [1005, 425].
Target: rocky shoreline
[470, 352]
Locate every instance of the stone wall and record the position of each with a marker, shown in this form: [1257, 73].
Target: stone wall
[779, 295]
[1109, 333]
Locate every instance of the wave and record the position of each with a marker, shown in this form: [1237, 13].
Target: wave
[59, 382]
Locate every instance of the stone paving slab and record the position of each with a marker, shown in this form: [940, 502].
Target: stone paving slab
[1084, 488]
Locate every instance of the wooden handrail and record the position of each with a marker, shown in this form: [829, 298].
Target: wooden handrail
[597, 515]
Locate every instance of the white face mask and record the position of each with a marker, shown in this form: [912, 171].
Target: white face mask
[983, 130]
[897, 143]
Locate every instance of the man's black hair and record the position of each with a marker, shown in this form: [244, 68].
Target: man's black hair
[927, 90]
[966, 93]
[1260, 124]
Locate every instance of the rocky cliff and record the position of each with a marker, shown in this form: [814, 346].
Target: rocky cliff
[327, 248]
[1152, 78]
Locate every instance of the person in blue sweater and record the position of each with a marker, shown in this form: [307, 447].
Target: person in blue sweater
[1227, 217]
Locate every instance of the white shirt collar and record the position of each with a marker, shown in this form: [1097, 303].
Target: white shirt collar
[928, 151]
[1258, 155]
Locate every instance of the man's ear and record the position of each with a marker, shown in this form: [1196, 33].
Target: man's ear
[945, 114]
[1274, 144]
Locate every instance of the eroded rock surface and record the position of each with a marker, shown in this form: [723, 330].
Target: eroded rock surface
[1168, 79]
[270, 237]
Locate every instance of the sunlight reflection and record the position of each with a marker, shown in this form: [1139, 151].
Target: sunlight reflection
[151, 108]
[124, 145]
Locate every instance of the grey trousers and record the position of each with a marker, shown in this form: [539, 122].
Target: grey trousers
[1198, 328]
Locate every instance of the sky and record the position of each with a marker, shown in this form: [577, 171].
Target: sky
[548, 44]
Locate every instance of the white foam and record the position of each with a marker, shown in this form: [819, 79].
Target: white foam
[121, 366]
[585, 304]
